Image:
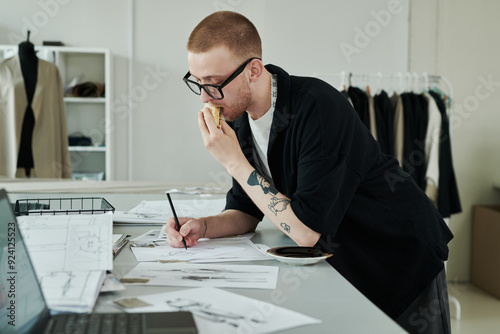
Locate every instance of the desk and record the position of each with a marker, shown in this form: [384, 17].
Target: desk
[318, 291]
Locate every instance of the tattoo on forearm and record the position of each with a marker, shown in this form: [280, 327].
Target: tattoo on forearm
[285, 227]
[255, 179]
[277, 204]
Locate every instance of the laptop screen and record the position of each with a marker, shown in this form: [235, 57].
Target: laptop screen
[22, 305]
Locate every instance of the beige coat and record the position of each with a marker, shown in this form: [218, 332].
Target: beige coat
[50, 139]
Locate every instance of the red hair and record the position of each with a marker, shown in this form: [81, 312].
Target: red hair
[229, 29]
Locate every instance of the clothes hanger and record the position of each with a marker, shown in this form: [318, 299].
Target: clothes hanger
[366, 79]
[426, 81]
[379, 83]
[342, 80]
[415, 87]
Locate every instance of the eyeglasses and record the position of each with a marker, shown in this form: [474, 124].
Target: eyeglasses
[215, 91]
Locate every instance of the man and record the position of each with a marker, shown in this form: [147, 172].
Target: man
[299, 155]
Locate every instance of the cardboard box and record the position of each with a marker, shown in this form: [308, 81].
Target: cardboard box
[485, 261]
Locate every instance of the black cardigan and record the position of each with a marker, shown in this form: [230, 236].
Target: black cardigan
[387, 238]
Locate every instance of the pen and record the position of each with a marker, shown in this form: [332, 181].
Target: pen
[176, 220]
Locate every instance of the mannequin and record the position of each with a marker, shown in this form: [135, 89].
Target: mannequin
[29, 68]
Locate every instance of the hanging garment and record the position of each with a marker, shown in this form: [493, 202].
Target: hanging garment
[415, 129]
[346, 94]
[371, 112]
[50, 140]
[385, 122]
[397, 106]
[360, 103]
[448, 197]
[432, 138]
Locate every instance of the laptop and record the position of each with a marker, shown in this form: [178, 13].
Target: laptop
[23, 308]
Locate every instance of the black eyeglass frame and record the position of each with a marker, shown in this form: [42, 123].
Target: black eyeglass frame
[217, 87]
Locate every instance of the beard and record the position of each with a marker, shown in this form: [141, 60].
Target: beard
[236, 109]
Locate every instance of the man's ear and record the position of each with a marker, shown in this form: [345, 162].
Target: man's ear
[256, 68]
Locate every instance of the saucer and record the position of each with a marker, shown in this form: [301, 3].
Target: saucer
[298, 256]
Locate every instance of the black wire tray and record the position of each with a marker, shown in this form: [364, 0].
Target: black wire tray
[62, 206]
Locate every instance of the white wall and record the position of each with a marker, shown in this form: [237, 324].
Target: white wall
[457, 39]
[301, 36]
[461, 41]
[304, 37]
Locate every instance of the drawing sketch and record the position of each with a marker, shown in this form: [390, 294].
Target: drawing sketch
[69, 242]
[158, 212]
[220, 311]
[70, 254]
[197, 207]
[211, 313]
[165, 253]
[198, 275]
[71, 291]
[207, 250]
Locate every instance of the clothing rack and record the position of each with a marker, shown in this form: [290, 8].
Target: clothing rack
[399, 82]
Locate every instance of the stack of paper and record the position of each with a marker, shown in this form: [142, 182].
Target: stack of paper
[162, 264]
[70, 254]
[119, 240]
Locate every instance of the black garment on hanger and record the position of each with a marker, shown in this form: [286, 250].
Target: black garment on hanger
[416, 118]
[360, 103]
[385, 122]
[29, 68]
[448, 197]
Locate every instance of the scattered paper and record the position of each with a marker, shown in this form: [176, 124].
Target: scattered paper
[198, 275]
[207, 250]
[196, 207]
[111, 284]
[70, 255]
[71, 291]
[166, 253]
[69, 242]
[158, 212]
[219, 311]
[194, 190]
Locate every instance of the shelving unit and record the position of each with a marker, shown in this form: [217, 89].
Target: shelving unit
[85, 116]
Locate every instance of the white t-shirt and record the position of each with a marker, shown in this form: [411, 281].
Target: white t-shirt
[261, 128]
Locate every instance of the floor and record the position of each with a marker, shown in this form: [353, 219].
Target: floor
[480, 311]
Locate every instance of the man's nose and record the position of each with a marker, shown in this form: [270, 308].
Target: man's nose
[204, 97]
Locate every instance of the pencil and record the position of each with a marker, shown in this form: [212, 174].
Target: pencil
[176, 220]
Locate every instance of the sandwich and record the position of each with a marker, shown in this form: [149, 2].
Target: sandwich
[216, 114]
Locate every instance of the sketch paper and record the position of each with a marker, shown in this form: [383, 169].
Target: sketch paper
[248, 251]
[166, 253]
[159, 235]
[131, 218]
[196, 207]
[70, 254]
[111, 284]
[194, 190]
[151, 236]
[158, 212]
[69, 242]
[198, 275]
[207, 250]
[219, 311]
[71, 291]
